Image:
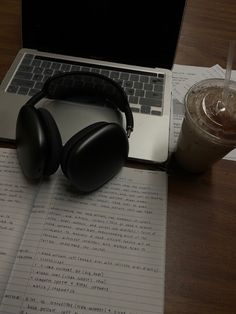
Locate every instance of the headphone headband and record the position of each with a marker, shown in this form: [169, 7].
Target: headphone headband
[76, 83]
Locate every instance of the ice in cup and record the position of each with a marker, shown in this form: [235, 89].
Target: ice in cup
[208, 131]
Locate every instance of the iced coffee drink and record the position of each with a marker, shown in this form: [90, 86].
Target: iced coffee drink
[209, 128]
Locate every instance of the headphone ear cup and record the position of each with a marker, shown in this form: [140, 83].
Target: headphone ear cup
[94, 155]
[78, 137]
[38, 143]
[54, 142]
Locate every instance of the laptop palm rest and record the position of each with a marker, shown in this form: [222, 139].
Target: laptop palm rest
[72, 117]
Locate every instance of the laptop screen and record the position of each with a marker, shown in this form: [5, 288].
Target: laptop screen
[143, 33]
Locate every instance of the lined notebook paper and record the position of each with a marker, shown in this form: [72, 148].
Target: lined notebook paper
[68, 253]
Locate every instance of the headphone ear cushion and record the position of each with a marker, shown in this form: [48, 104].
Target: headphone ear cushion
[37, 151]
[94, 155]
[54, 142]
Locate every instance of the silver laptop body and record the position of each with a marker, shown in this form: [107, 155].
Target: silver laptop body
[31, 67]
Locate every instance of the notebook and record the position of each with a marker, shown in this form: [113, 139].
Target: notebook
[133, 43]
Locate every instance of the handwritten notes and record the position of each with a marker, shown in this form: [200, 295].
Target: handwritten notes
[97, 253]
[16, 200]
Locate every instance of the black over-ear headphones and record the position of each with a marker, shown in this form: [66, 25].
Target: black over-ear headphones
[90, 157]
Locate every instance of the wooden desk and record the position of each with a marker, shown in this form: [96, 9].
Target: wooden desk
[201, 231]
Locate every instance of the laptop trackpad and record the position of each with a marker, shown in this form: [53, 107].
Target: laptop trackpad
[72, 117]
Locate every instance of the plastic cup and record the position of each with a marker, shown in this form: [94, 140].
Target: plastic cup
[208, 131]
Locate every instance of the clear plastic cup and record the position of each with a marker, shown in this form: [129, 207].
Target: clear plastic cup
[208, 131]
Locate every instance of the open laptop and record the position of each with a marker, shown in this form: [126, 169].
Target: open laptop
[132, 42]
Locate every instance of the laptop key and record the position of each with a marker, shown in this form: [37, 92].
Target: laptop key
[25, 68]
[145, 109]
[134, 109]
[36, 63]
[37, 77]
[33, 91]
[138, 85]
[128, 84]
[105, 72]
[12, 89]
[38, 70]
[46, 64]
[48, 72]
[156, 112]
[95, 70]
[133, 99]
[139, 92]
[134, 77]
[23, 75]
[129, 91]
[27, 59]
[124, 76]
[148, 86]
[155, 80]
[86, 69]
[55, 65]
[23, 90]
[25, 83]
[158, 88]
[114, 75]
[144, 79]
[65, 67]
[155, 95]
[161, 75]
[150, 102]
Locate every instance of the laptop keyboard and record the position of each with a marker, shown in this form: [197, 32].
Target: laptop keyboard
[144, 90]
